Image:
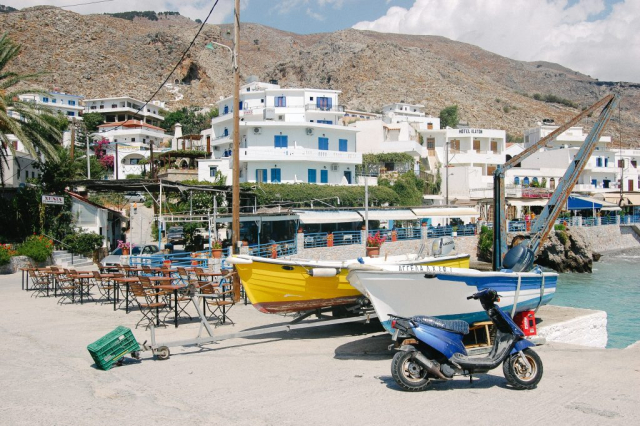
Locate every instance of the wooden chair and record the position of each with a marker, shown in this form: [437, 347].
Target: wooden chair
[40, 281]
[104, 284]
[217, 301]
[150, 308]
[67, 287]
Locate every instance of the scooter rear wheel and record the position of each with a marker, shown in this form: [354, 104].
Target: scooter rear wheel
[519, 374]
[408, 374]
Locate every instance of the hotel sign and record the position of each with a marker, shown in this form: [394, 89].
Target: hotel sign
[470, 131]
[53, 199]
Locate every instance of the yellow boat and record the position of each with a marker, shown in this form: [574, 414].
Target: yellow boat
[280, 286]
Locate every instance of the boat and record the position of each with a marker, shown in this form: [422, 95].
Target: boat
[295, 285]
[442, 292]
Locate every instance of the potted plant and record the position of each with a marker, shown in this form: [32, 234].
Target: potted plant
[394, 235]
[330, 240]
[274, 251]
[216, 249]
[126, 247]
[373, 244]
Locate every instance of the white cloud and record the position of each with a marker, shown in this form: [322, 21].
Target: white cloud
[314, 15]
[192, 9]
[527, 30]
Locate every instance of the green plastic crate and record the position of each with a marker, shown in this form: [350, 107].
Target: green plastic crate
[107, 350]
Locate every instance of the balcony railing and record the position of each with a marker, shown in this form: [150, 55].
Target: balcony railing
[299, 154]
[333, 108]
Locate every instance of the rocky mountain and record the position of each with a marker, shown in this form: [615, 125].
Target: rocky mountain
[98, 56]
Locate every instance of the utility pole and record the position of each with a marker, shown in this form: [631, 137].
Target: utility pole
[446, 172]
[73, 137]
[115, 161]
[236, 146]
[88, 162]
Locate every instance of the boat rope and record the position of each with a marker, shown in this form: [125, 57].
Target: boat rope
[516, 296]
[541, 292]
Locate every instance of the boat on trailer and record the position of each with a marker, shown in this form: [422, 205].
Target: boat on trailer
[441, 291]
[295, 285]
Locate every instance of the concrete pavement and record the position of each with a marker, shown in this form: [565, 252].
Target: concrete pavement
[329, 375]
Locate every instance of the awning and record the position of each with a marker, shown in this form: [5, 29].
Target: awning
[576, 202]
[446, 212]
[389, 214]
[257, 218]
[627, 199]
[333, 216]
[521, 202]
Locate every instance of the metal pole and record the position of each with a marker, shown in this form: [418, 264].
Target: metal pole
[160, 219]
[88, 162]
[236, 131]
[73, 138]
[446, 172]
[115, 163]
[366, 208]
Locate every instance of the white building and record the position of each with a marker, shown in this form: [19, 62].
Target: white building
[124, 108]
[91, 217]
[602, 173]
[20, 166]
[131, 142]
[400, 112]
[57, 102]
[286, 136]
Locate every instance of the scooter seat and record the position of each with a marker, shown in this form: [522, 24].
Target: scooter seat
[456, 326]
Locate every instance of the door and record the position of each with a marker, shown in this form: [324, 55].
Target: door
[347, 175]
[275, 176]
[630, 185]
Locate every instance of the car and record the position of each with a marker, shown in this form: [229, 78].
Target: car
[204, 233]
[175, 235]
[134, 197]
[114, 257]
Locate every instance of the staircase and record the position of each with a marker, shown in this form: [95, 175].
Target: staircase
[64, 259]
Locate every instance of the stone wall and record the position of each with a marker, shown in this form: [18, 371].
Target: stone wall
[579, 327]
[609, 237]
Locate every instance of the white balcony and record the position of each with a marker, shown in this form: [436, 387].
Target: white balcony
[473, 157]
[299, 154]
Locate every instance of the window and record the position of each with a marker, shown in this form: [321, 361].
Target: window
[26, 175]
[324, 176]
[310, 98]
[134, 161]
[325, 121]
[494, 146]
[454, 145]
[342, 145]
[634, 164]
[53, 101]
[535, 180]
[516, 181]
[347, 176]
[552, 184]
[620, 163]
[226, 109]
[226, 132]
[323, 103]
[133, 139]
[431, 144]
[213, 171]
[323, 144]
[92, 106]
[71, 113]
[281, 101]
[261, 175]
[46, 100]
[598, 161]
[281, 141]
[71, 102]
[311, 176]
[240, 106]
[476, 145]
[275, 175]
[525, 181]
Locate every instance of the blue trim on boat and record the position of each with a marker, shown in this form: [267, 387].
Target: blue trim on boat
[499, 283]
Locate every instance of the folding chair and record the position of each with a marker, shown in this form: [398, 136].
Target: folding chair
[146, 301]
[218, 303]
[67, 287]
[39, 283]
[104, 284]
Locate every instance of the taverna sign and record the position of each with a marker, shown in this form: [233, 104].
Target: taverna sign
[53, 199]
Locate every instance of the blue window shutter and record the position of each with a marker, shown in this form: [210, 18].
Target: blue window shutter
[275, 175]
[312, 176]
[276, 141]
[240, 106]
[226, 109]
[343, 145]
[324, 176]
[323, 143]
[284, 141]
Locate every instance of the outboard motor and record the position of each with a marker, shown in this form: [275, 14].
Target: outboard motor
[443, 246]
[519, 259]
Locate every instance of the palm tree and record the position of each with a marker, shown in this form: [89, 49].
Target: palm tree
[25, 120]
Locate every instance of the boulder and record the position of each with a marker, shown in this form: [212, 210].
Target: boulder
[566, 251]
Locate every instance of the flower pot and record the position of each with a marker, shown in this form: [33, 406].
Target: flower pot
[274, 251]
[125, 251]
[373, 251]
[394, 236]
[300, 230]
[216, 253]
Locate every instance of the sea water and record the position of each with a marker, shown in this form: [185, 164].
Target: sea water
[613, 287]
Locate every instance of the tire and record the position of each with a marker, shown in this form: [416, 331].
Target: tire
[518, 375]
[162, 353]
[408, 374]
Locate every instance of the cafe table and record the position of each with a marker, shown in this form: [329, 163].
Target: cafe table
[126, 281]
[166, 284]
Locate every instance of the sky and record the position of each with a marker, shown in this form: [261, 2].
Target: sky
[599, 38]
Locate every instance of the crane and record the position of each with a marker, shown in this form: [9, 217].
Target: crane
[545, 221]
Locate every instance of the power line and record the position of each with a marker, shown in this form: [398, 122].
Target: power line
[83, 4]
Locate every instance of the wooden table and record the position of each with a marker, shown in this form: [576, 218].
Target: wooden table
[169, 287]
[81, 276]
[126, 281]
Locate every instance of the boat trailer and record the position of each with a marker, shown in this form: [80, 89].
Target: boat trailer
[206, 335]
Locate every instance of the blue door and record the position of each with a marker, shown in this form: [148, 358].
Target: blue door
[323, 103]
[226, 109]
[281, 141]
[323, 144]
[261, 175]
[275, 175]
[342, 145]
[347, 174]
[324, 176]
[311, 178]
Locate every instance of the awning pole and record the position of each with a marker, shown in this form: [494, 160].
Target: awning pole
[160, 219]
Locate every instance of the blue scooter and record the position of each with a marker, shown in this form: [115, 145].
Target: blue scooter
[432, 349]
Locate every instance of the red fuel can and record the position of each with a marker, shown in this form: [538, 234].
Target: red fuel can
[526, 320]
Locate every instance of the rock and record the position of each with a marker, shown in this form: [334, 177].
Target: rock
[566, 251]
[596, 256]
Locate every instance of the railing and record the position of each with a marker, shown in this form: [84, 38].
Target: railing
[333, 108]
[315, 239]
[279, 249]
[346, 238]
[608, 220]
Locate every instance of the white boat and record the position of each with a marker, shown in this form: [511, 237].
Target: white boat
[442, 291]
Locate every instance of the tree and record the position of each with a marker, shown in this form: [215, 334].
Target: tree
[192, 119]
[25, 120]
[449, 117]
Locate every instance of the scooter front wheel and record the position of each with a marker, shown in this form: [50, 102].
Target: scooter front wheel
[407, 373]
[523, 373]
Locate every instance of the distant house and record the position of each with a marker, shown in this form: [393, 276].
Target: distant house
[20, 165]
[92, 217]
[57, 102]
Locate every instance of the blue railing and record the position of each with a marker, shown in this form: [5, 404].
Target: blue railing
[346, 238]
[466, 230]
[281, 248]
[439, 231]
[608, 220]
[315, 239]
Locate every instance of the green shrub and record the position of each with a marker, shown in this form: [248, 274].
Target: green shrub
[485, 244]
[37, 247]
[562, 236]
[5, 254]
[559, 227]
[83, 242]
